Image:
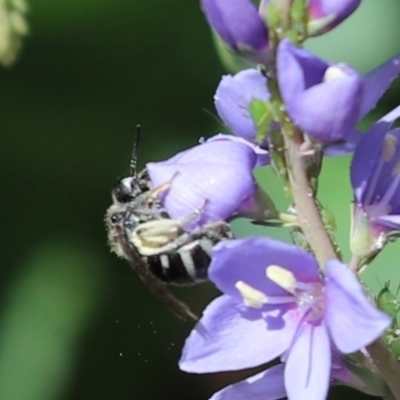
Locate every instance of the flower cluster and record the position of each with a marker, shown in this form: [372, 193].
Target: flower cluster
[298, 304]
[278, 306]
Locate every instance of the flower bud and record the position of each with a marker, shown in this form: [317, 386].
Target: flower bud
[321, 98]
[324, 15]
[233, 99]
[327, 100]
[365, 241]
[319, 16]
[239, 25]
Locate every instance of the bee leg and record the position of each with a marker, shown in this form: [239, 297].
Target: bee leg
[157, 233]
[219, 229]
[179, 308]
[193, 215]
[154, 193]
[152, 236]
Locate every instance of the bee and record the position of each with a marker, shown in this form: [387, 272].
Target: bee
[160, 249]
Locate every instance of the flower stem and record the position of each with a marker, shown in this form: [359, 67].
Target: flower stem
[309, 217]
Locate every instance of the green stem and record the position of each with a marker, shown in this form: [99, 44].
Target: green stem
[308, 215]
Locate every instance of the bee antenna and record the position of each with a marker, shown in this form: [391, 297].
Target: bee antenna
[134, 158]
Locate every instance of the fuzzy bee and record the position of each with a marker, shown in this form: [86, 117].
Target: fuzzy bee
[160, 249]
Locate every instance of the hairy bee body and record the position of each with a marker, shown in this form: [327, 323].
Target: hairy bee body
[157, 247]
[173, 254]
[186, 259]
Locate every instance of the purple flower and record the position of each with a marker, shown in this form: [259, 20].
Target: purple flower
[240, 26]
[213, 178]
[261, 153]
[267, 385]
[327, 100]
[325, 15]
[233, 98]
[275, 303]
[375, 177]
[270, 385]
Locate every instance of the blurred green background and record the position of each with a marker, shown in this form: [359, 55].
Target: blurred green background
[76, 322]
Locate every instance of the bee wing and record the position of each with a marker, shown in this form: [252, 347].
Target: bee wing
[134, 259]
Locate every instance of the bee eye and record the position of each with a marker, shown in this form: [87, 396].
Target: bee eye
[114, 218]
[122, 191]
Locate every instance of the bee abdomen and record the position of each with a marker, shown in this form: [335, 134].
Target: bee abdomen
[187, 265]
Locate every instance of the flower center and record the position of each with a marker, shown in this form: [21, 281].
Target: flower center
[311, 300]
[309, 296]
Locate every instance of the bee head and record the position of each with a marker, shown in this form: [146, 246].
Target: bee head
[126, 190]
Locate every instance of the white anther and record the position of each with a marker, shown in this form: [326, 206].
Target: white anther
[252, 297]
[282, 277]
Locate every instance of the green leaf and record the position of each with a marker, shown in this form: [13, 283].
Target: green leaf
[387, 302]
[260, 113]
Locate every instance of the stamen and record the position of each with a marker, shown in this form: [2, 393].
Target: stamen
[388, 147]
[282, 277]
[252, 297]
[387, 153]
[392, 190]
[396, 168]
[373, 182]
[390, 144]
